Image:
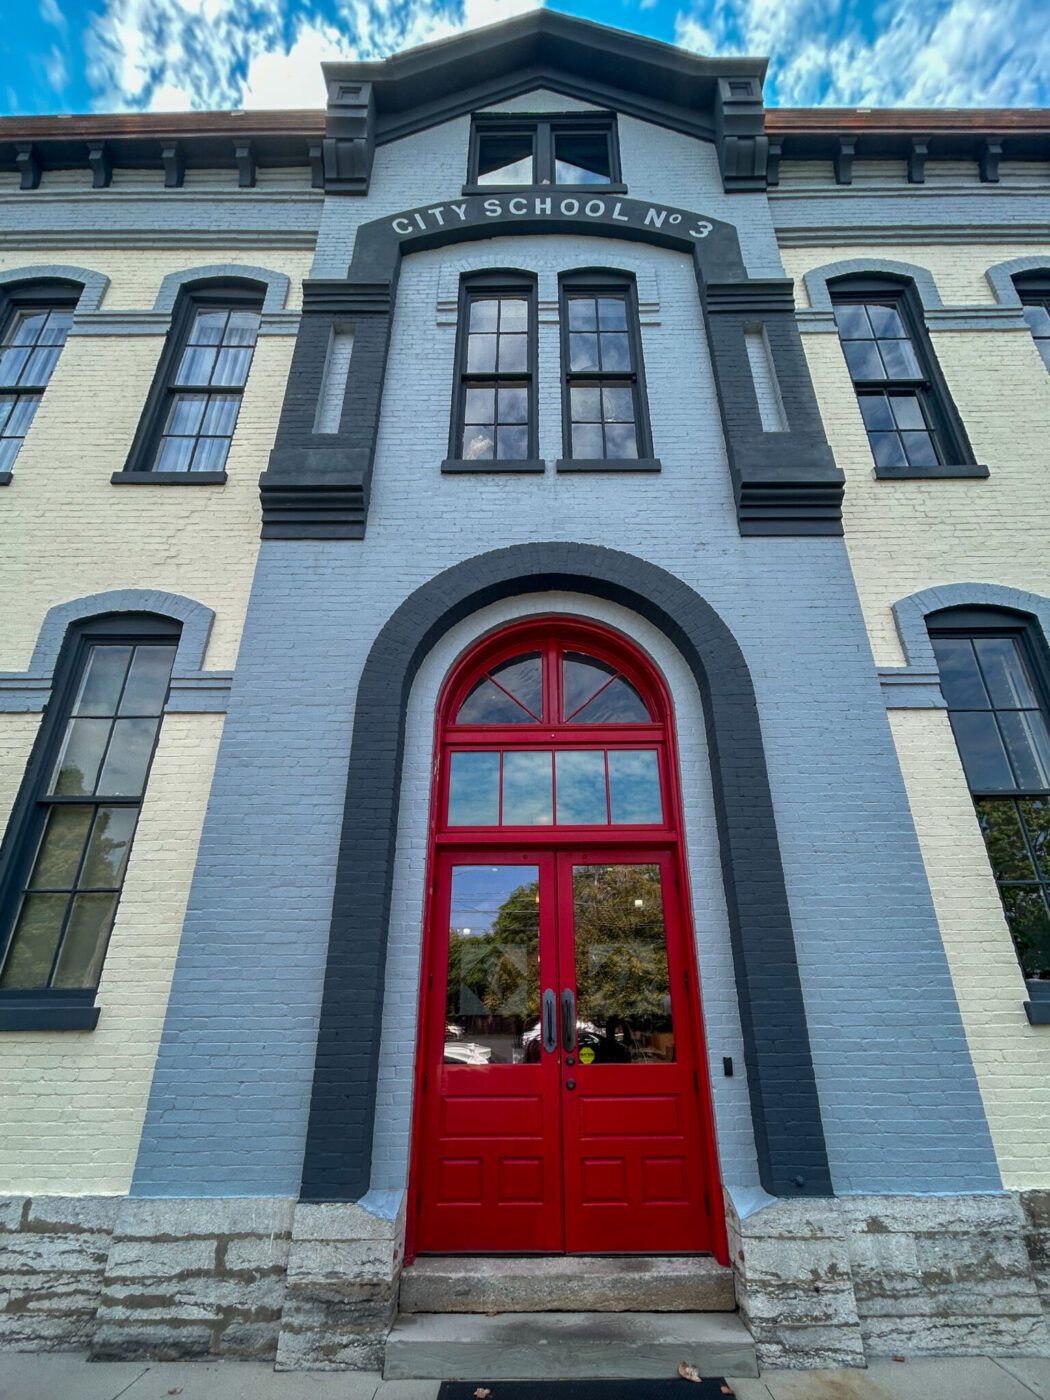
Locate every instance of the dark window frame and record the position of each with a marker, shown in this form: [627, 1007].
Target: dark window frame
[993, 622]
[214, 294]
[955, 453]
[599, 283]
[57, 1008]
[1033, 289]
[481, 286]
[542, 127]
[45, 293]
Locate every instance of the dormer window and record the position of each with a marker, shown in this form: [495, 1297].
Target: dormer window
[574, 151]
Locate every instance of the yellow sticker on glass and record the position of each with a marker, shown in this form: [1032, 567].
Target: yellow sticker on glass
[587, 1055]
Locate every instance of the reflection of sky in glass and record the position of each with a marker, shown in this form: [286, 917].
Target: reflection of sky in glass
[480, 891]
[474, 790]
[634, 786]
[581, 788]
[527, 789]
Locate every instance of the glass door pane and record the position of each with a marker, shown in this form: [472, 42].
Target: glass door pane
[623, 988]
[492, 1005]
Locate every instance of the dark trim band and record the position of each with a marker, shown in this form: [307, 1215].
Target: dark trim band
[789, 1134]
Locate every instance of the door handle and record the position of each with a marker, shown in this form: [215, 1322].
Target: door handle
[568, 1020]
[550, 1022]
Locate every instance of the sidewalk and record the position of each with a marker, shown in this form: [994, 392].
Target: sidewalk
[68, 1376]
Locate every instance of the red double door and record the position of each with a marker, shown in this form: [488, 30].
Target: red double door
[562, 1078]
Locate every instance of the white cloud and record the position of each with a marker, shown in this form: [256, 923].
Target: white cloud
[51, 14]
[55, 68]
[176, 54]
[914, 53]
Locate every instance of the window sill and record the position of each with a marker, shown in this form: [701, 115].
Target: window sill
[608, 464]
[5, 478]
[168, 479]
[458, 466]
[938, 473]
[529, 191]
[1038, 1008]
[42, 1011]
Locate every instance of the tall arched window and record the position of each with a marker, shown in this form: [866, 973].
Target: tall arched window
[912, 425]
[35, 318]
[1034, 290]
[560, 1026]
[993, 673]
[67, 846]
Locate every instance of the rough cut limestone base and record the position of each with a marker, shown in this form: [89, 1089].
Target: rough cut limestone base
[193, 1278]
[819, 1282]
[53, 1251]
[341, 1293]
[832, 1282]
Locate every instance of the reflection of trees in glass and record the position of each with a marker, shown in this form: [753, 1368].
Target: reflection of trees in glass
[1010, 828]
[496, 974]
[622, 981]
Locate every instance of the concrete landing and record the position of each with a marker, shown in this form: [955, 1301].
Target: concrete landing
[569, 1283]
[566, 1346]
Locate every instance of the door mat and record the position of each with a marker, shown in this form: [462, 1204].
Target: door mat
[709, 1388]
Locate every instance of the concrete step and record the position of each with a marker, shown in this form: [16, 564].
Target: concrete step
[566, 1283]
[566, 1346]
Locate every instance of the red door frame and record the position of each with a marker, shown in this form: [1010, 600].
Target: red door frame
[550, 635]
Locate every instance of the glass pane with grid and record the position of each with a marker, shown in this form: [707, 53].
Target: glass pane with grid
[16, 414]
[876, 342]
[32, 345]
[69, 901]
[201, 419]
[898, 430]
[1017, 835]
[995, 713]
[496, 382]
[602, 408]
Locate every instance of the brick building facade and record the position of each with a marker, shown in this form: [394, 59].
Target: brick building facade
[544, 353]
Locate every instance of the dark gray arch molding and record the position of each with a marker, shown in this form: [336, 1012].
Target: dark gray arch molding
[317, 486]
[789, 1134]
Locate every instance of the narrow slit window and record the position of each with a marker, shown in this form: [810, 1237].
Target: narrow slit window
[1034, 291]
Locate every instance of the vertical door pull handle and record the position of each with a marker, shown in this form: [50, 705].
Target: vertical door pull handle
[550, 1022]
[568, 1020]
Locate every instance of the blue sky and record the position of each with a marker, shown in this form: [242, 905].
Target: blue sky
[169, 55]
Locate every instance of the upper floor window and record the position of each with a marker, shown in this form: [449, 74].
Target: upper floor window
[907, 414]
[190, 419]
[1034, 290]
[574, 150]
[494, 417]
[991, 676]
[604, 401]
[34, 323]
[67, 849]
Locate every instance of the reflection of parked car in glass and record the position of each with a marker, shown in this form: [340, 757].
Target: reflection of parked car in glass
[467, 1054]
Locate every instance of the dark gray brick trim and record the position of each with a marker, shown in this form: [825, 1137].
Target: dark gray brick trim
[789, 1134]
[910, 615]
[319, 486]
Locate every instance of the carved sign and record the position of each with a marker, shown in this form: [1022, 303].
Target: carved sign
[475, 211]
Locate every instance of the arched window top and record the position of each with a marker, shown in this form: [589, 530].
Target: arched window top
[560, 674]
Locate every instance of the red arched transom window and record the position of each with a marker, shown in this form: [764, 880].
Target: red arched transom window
[559, 724]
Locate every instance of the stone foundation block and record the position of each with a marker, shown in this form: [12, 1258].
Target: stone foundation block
[340, 1300]
[53, 1251]
[188, 1278]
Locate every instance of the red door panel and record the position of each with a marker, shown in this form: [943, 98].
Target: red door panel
[634, 1173]
[490, 1174]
